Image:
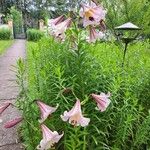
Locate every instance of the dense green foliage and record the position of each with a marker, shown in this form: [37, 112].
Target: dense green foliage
[52, 67]
[4, 45]
[34, 34]
[5, 34]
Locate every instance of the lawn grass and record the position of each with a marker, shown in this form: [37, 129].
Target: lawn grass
[4, 44]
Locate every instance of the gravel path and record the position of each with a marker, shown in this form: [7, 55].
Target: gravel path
[9, 139]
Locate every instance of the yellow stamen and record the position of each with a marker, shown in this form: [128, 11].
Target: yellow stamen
[74, 119]
[89, 13]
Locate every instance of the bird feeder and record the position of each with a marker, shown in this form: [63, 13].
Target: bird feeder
[127, 32]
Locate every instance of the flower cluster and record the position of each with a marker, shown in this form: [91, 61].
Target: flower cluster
[74, 117]
[49, 137]
[93, 16]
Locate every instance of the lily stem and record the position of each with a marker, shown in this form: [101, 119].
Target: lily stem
[84, 138]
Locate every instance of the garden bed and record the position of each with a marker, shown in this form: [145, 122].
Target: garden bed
[58, 75]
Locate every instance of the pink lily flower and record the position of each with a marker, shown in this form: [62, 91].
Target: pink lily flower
[102, 100]
[94, 35]
[92, 14]
[75, 116]
[4, 106]
[49, 138]
[60, 29]
[46, 110]
[53, 22]
[13, 122]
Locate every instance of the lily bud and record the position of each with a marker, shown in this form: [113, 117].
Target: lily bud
[13, 122]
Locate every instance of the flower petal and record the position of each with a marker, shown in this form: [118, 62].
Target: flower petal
[94, 35]
[102, 100]
[13, 122]
[57, 137]
[65, 116]
[47, 133]
[75, 116]
[61, 27]
[46, 110]
[49, 138]
[103, 105]
[84, 121]
[55, 21]
[75, 110]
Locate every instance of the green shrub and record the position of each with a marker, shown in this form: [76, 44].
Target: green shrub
[34, 35]
[5, 34]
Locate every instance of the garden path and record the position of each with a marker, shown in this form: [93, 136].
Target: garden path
[9, 139]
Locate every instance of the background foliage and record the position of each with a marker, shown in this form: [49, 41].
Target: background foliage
[119, 11]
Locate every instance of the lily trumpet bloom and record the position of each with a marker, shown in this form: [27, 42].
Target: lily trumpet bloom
[52, 22]
[92, 14]
[75, 116]
[4, 106]
[95, 35]
[49, 138]
[13, 122]
[46, 110]
[60, 29]
[102, 100]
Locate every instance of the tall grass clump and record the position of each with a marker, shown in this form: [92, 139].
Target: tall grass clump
[58, 74]
[34, 35]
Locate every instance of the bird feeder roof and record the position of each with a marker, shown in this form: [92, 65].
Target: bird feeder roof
[128, 26]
